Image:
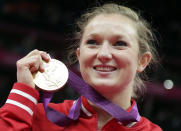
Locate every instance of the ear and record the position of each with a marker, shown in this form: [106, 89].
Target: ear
[144, 61]
[78, 53]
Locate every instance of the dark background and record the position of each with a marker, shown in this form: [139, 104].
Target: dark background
[48, 25]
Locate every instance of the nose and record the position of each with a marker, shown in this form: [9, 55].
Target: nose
[104, 53]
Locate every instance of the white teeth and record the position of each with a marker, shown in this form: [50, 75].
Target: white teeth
[100, 68]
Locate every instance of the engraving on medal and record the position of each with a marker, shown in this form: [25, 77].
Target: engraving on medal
[54, 77]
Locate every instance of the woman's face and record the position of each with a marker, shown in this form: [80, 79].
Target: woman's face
[108, 53]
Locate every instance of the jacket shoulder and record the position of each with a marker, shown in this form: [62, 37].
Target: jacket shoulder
[149, 126]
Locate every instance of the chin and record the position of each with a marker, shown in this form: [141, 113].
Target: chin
[105, 88]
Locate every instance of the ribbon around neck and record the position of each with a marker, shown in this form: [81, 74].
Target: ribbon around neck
[81, 87]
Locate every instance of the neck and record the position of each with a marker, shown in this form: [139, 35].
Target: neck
[122, 99]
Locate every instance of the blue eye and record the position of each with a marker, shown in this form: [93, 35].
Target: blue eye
[120, 43]
[91, 42]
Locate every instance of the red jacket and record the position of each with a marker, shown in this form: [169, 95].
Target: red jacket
[22, 113]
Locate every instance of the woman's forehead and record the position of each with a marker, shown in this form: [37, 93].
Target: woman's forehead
[113, 24]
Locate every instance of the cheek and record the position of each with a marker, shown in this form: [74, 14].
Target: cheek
[128, 67]
[85, 61]
[84, 68]
[86, 56]
[127, 59]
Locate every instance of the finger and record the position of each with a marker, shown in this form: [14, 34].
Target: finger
[32, 53]
[45, 56]
[42, 68]
[34, 63]
[33, 69]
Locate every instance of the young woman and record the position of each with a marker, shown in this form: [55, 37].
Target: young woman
[114, 48]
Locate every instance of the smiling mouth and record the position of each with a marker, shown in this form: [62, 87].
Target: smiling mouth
[104, 68]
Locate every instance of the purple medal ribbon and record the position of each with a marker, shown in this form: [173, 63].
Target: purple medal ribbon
[59, 118]
[89, 93]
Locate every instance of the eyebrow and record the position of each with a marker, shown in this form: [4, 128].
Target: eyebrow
[117, 36]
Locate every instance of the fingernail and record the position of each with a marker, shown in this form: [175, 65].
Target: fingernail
[43, 66]
[48, 56]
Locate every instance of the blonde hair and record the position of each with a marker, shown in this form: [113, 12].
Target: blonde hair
[146, 37]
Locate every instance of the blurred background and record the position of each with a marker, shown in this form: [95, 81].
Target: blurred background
[48, 25]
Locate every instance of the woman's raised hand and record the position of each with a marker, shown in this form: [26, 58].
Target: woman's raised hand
[30, 64]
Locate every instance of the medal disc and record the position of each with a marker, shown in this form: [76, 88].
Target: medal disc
[53, 78]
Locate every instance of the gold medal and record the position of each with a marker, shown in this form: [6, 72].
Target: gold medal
[53, 78]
